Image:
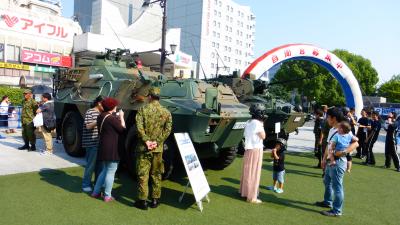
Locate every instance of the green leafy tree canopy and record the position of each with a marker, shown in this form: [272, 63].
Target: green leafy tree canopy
[391, 89]
[320, 85]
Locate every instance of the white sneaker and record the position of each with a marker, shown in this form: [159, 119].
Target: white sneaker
[87, 189]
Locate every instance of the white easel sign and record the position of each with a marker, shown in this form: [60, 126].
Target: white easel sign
[197, 178]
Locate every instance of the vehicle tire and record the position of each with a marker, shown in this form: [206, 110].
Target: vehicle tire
[129, 158]
[225, 158]
[170, 157]
[240, 148]
[71, 133]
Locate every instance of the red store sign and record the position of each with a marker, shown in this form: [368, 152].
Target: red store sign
[43, 58]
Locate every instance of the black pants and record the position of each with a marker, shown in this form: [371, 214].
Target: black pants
[370, 154]
[362, 148]
[318, 149]
[391, 154]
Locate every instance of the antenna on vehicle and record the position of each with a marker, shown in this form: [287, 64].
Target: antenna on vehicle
[201, 66]
[116, 34]
[219, 57]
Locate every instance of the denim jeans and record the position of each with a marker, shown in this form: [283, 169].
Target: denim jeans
[106, 177]
[91, 166]
[333, 181]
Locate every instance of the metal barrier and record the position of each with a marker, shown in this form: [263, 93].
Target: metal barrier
[10, 117]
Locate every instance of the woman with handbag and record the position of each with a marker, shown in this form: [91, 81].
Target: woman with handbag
[110, 126]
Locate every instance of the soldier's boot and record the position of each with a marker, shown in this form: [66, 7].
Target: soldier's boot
[141, 204]
[154, 203]
[32, 148]
[25, 146]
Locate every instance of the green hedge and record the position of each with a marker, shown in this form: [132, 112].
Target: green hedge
[14, 93]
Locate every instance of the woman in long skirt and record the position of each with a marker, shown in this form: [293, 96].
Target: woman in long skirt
[254, 135]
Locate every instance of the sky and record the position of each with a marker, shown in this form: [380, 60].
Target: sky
[369, 28]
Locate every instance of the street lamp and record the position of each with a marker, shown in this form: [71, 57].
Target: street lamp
[163, 4]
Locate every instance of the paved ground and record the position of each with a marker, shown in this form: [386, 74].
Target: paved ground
[304, 141]
[15, 161]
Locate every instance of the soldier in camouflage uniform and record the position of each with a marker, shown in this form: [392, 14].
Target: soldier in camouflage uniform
[29, 107]
[154, 124]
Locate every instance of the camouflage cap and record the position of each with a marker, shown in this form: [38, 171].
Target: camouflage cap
[155, 91]
[27, 91]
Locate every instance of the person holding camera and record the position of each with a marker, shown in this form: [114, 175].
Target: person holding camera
[110, 126]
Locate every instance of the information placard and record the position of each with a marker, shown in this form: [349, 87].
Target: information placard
[197, 178]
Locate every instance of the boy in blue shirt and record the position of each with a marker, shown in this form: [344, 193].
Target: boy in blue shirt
[340, 141]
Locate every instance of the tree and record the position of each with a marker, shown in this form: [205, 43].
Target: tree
[321, 86]
[391, 89]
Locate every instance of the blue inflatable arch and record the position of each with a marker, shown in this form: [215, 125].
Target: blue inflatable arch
[339, 70]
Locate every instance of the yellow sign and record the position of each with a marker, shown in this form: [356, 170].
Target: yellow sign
[14, 66]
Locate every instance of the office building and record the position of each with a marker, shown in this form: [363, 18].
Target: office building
[219, 34]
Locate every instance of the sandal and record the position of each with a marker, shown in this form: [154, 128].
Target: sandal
[256, 201]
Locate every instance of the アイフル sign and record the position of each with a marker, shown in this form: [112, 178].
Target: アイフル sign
[197, 178]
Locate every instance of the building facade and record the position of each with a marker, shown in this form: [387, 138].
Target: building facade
[89, 14]
[34, 40]
[220, 34]
[126, 24]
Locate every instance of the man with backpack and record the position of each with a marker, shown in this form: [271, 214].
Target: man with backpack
[49, 122]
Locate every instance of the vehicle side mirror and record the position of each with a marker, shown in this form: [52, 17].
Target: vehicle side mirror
[211, 101]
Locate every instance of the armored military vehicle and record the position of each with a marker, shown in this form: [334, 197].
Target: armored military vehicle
[213, 116]
[250, 91]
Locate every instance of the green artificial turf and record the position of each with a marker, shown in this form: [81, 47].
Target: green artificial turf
[54, 197]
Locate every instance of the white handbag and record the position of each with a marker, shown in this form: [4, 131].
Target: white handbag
[38, 120]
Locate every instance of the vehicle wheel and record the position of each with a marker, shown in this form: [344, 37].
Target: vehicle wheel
[72, 134]
[129, 159]
[170, 154]
[241, 149]
[225, 158]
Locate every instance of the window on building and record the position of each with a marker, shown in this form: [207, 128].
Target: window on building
[1, 52]
[229, 49]
[218, 35]
[215, 23]
[219, 14]
[213, 44]
[214, 34]
[227, 18]
[229, 59]
[219, 25]
[230, 29]
[212, 55]
[231, 9]
[215, 2]
[212, 65]
[238, 13]
[227, 8]
[220, 4]
[231, 19]
[217, 45]
[215, 12]
[13, 53]
[226, 48]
